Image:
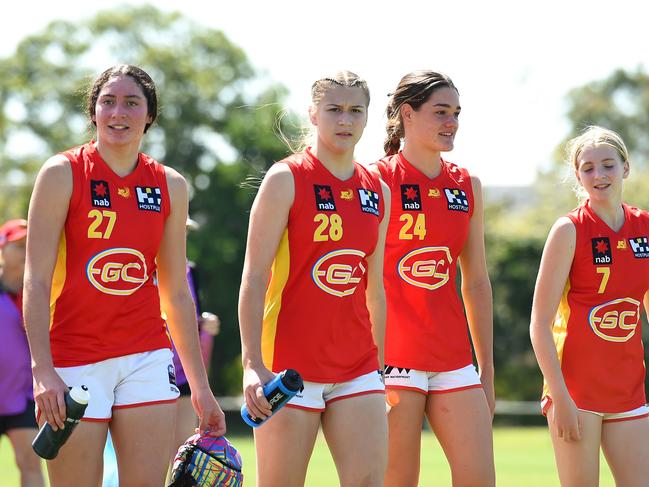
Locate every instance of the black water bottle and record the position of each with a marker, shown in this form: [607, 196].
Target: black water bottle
[278, 392]
[48, 442]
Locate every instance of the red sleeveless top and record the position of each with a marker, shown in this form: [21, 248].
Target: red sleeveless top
[104, 301]
[315, 318]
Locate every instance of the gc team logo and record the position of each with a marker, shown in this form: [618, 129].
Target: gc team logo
[615, 321]
[118, 271]
[339, 272]
[427, 267]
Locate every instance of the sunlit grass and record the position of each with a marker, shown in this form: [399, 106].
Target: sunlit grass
[523, 458]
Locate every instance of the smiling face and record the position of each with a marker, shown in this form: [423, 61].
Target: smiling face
[600, 171]
[121, 112]
[340, 117]
[434, 124]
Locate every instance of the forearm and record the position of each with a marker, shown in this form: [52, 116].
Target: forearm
[181, 320]
[479, 310]
[37, 322]
[546, 355]
[251, 312]
[377, 308]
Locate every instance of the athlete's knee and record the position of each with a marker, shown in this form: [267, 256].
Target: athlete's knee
[474, 477]
[373, 476]
[27, 461]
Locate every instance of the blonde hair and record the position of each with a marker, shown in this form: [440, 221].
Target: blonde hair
[592, 136]
[341, 78]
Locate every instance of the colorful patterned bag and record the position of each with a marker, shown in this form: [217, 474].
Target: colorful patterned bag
[207, 461]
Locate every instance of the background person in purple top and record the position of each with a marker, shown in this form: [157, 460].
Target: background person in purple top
[17, 419]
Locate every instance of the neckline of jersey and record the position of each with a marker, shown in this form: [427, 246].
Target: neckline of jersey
[318, 163]
[410, 166]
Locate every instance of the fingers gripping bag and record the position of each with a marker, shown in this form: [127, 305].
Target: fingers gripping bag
[207, 461]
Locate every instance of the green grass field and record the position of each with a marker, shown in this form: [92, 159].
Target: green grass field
[523, 458]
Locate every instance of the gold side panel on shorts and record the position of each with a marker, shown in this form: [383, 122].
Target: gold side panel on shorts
[273, 301]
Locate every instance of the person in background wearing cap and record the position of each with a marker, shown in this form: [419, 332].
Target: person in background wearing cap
[17, 419]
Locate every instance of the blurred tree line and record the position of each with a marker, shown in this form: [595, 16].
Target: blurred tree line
[218, 127]
[215, 127]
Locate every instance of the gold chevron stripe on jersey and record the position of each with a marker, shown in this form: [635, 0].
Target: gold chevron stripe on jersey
[560, 329]
[279, 276]
[58, 278]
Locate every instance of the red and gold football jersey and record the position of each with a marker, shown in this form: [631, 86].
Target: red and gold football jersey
[104, 300]
[429, 224]
[315, 318]
[597, 329]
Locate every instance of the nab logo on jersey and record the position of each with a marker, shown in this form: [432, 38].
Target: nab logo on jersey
[601, 251]
[369, 201]
[324, 198]
[457, 200]
[615, 321]
[117, 271]
[148, 198]
[100, 194]
[640, 247]
[339, 272]
[427, 267]
[410, 197]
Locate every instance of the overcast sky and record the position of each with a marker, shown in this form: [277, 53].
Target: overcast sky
[513, 62]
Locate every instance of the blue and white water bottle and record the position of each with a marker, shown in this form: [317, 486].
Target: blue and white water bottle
[278, 392]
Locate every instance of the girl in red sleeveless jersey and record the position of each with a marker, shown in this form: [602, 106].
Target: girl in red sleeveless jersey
[586, 327]
[317, 230]
[436, 221]
[103, 219]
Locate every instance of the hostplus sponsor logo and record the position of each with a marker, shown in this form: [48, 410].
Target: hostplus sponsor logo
[148, 198]
[457, 199]
[640, 247]
[369, 201]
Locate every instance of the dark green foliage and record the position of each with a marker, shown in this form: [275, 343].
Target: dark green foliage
[513, 265]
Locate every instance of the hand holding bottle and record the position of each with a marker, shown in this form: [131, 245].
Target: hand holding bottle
[49, 441]
[278, 392]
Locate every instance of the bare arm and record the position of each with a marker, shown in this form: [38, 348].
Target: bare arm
[555, 266]
[48, 210]
[268, 220]
[178, 304]
[375, 293]
[477, 296]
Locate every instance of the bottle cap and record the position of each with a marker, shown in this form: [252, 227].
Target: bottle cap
[80, 394]
[292, 380]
